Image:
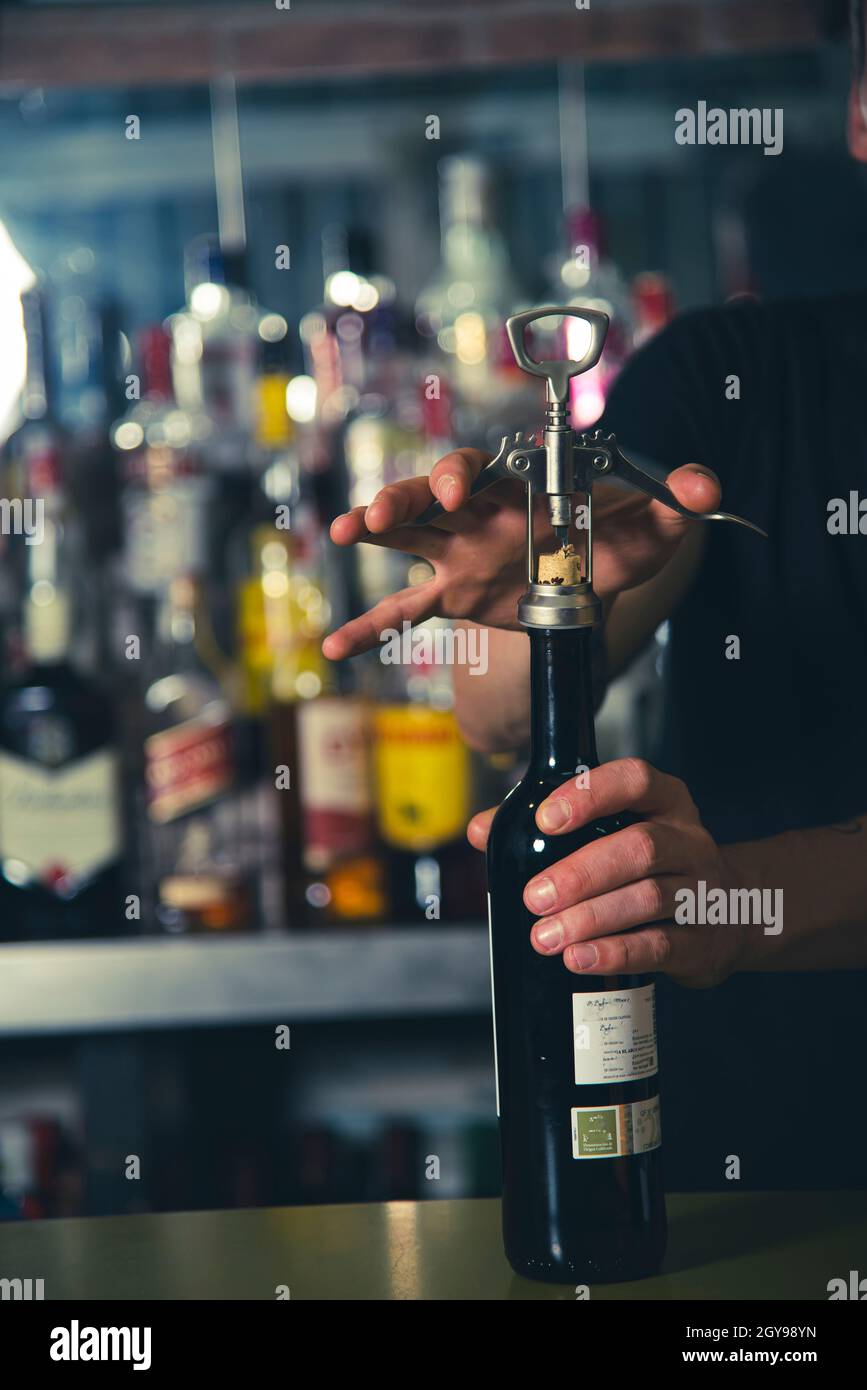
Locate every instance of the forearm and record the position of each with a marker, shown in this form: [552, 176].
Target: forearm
[822, 877]
[493, 704]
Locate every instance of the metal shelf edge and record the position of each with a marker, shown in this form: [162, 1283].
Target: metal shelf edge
[161, 982]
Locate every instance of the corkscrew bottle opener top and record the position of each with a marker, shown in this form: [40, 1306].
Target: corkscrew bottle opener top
[566, 464]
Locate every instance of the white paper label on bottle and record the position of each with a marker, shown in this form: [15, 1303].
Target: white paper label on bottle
[58, 826]
[336, 782]
[334, 740]
[166, 535]
[614, 1131]
[614, 1035]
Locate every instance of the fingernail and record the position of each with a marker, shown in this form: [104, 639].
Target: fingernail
[446, 488]
[548, 934]
[553, 814]
[542, 894]
[581, 957]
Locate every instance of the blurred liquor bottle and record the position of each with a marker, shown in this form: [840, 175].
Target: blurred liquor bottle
[313, 734]
[166, 493]
[423, 780]
[360, 351]
[587, 278]
[358, 321]
[316, 737]
[281, 609]
[90, 354]
[258, 556]
[215, 351]
[31, 455]
[192, 816]
[60, 814]
[383, 443]
[462, 310]
[322, 752]
[41, 1172]
[355, 343]
[654, 305]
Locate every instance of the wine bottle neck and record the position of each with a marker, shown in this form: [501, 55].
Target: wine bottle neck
[562, 735]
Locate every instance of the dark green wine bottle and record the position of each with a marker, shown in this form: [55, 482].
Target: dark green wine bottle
[576, 1055]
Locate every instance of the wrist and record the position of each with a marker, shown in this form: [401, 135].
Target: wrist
[744, 868]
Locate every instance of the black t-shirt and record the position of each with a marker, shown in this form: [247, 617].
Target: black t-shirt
[773, 398]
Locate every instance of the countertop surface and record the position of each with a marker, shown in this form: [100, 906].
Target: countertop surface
[721, 1245]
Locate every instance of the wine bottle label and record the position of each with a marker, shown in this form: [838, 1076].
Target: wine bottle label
[336, 799]
[273, 425]
[59, 826]
[422, 774]
[165, 534]
[613, 1131]
[614, 1035]
[187, 766]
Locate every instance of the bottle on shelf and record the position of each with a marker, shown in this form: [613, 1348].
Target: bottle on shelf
[460, 312]
[423, 780]
[216, 351]
[61, 834]
[41, 1168]
[333, 868]
[315, 737]
[32, 453]
[166, 491]
[194, 853]
[361, 353]
[587, 278]
[89, 351]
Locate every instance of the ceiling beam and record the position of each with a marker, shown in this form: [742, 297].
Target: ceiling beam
[141, 45]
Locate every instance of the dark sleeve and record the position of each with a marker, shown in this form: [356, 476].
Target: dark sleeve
[669, 403]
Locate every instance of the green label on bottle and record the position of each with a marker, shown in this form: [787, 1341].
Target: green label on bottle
[614, 1131]
[596, 1132]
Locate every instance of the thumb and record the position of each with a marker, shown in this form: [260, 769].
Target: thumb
[479, 828]
[695, 487]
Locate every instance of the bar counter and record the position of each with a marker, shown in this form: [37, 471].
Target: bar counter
[731, 1245]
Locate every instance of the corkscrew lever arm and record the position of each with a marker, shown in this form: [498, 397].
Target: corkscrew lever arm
[610, 460]
[605, 459]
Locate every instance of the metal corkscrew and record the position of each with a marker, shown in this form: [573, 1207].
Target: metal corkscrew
[565, 467]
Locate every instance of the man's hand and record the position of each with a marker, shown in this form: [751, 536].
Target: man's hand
[477, 549]
[608, 908]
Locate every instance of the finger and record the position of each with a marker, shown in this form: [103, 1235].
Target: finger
[668, 949]
[449, 483]
[695, 487]
[413, 605]
[627, 784]
[685, 954]
[647, 849]
[350, 528]
[453, 475]
[648, 900]
[479, 828]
